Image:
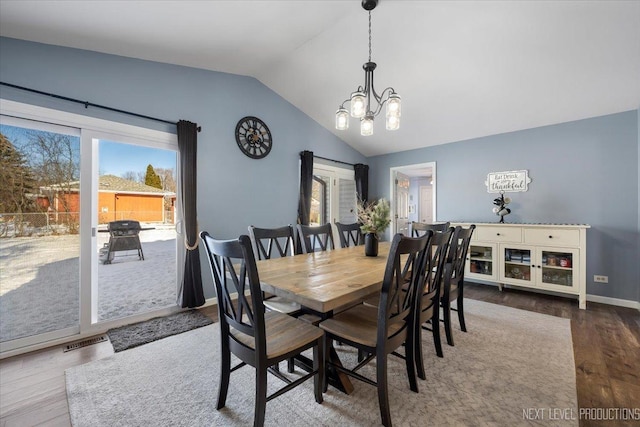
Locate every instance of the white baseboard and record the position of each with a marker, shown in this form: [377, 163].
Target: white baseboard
[590, 298]
[614, 301]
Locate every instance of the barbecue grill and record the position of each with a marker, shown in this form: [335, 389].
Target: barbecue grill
[123, 236]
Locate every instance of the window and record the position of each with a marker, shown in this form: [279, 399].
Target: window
[333, 196]
[319, 200]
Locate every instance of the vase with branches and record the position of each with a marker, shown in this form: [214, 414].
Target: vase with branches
[374, 218]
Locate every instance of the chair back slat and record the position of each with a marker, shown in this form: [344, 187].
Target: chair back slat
[316, 237]
[402, 278]
[281, 238]
[458, 249]
[350, 234]
[437, 257]
[234, 271]
[419, 228]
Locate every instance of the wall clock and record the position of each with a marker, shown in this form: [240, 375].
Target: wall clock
[253, 137]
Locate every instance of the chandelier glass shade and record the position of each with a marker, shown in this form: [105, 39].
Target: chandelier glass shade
[365, 103]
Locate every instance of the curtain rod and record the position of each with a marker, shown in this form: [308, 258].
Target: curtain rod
[331, 160]
[89, 104]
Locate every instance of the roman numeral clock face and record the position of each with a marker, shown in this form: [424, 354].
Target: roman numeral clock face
[253, 137]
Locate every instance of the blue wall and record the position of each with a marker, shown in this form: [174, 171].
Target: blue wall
[582, 172]
[234, 191]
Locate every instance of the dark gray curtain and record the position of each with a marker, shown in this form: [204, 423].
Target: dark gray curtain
[190, 293]
[362, 181]
[306, 183]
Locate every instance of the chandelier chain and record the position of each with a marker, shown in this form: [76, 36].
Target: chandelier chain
[369, 36]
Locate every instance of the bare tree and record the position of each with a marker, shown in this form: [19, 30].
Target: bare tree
[167, 177]
[131, 175]
[55, 161]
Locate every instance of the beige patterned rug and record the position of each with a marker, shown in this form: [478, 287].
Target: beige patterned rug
[512, 368]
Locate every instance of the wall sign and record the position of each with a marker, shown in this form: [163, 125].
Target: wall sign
[509, 181]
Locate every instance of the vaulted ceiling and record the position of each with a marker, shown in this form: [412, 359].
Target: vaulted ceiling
[463, 69]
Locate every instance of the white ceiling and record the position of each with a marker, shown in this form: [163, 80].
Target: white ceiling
[463, 69]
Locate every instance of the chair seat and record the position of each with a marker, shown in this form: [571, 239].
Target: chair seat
[373, 300]
[282, 305]
[358, 324]
[284, 334]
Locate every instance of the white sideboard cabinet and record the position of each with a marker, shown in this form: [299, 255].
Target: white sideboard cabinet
[549, 257]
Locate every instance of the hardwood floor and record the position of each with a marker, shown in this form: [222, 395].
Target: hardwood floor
[606, 346]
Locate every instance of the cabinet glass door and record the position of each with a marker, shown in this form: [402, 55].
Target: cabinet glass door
[517, 264]
[481, 260]
[557, 268]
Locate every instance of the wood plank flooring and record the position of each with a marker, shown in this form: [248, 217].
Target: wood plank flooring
[606, 345]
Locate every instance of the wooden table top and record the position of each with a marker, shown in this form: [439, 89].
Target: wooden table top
[324, 281]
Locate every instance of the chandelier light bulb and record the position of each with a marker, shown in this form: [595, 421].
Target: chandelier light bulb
[366, 126]
[358, 104]
[342, 119]
[393, 123]
[394, 105]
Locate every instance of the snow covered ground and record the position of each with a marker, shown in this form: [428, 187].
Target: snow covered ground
[39, 281]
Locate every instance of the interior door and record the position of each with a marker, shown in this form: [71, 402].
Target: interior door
[426, 204]
[401, 198]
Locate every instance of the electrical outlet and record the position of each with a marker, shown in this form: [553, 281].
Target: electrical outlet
[601, 279]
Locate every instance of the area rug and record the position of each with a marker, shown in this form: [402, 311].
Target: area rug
[509, 362]
[129, 336]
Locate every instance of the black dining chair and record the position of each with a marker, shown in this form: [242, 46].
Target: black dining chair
[379, 331]
[269, 242]
[257, 337]
[419, 228]
[429, 303]
[350, 234]
[453, 280]
[315, 238]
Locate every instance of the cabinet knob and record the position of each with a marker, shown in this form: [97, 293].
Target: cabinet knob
[497, 234]
[551, 237]
[538, 266]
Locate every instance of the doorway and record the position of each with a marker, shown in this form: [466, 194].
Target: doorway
[419, 198]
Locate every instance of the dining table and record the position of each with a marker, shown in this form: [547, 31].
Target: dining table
[323, 282]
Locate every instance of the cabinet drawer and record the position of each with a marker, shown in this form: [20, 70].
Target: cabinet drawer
[551, 236]
[499, 234]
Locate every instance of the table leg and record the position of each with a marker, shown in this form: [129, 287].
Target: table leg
[339, 379]
[335, 378]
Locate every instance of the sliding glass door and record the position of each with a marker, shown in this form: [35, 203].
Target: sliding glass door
[87, 225]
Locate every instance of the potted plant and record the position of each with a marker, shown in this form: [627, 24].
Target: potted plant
[374, 218]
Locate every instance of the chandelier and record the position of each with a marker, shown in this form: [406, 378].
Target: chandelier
[365, 102]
